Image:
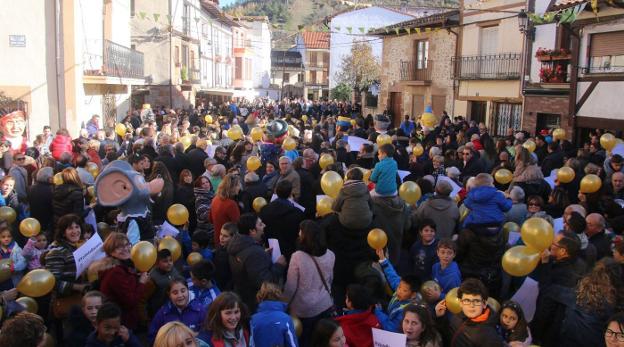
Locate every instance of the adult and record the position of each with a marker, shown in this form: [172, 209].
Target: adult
[471, 165]
[39, 196]
[217, 173]
[203, 199]
[528, 175]
[328, 333]
[612, 165]
[597, 234]
[250, 263]
[9, 196]
[309, 278]
[81, 167]
[68, 197]
[253, 189]
[93, 125]
[615, 187]
[184, 195]
[165, 156]
[19, 173]
[553, 160]
[519, 210]
[271, 175]
[614, 333]
[164, 199]
[442, 210]
[197, 156]
[303, 166]
[287, 173]
[224, 208]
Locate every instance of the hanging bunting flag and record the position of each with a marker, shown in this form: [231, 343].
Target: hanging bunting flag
[436, 30]
[156, 16]
[397, 30]
[417, 31]
[142, 14]
[427, 30]
[362, 29]
[409, 31]
[337, 29]
[349, 29]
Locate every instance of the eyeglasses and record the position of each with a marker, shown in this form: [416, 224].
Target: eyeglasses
[20, 159]
[473, 302]
[618, 336]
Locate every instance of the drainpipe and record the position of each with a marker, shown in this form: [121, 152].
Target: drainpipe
[449, 30]
[58, 47]
[170, 58]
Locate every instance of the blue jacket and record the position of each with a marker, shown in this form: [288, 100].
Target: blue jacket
[205, 296]
[206, 254]
[384, 176]
[272, 326]
[448, 278]
[391, 319]
[192, 315]
[133, 341]
[487, 206]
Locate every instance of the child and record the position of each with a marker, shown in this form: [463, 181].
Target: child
[160, 277]
[487, 204]
[271, 325]
[423, 251]
[200, 242]
[203, 288]
[359, 318]
[34, 249]
[177, 308]
[385, 172]
[223, 274]
[512, 326]
[405, 292]
[227, 323]
[476, 325]
[82, 320]
[109, 331]
[353, 204]
[446, 272]
[10, 250]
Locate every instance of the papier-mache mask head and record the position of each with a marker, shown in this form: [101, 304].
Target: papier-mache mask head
[121, 186]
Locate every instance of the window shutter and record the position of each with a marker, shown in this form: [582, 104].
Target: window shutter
[603, 44]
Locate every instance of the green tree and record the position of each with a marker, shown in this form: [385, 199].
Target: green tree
[342, 92]
[359, 69]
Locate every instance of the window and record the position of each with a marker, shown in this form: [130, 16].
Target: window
[185, 55]
[238, 69]
[547, 121]
[312, 61]
[507, 116]
[312, 77]
[177, 55]
[488, 44]
[286, 77]
[371, 100]
[422, 54]
[186, 19]
[606, 52]
[192, 62]
[300, 77]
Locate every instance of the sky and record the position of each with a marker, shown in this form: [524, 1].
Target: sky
[224, 3]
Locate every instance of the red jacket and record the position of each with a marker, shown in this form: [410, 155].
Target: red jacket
[120, 284]
[59, 145]
[357, 328]
[221, 212]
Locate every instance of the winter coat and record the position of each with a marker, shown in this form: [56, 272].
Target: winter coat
[162, 202]
[251, 266]
[354, 205]
[221, 212]
[203, 200]
[269, 180]
[196, 157]
[293, 177]
[357, 327]
[480, 251]
[552, 161]
[68, 198]
[602, 242]
[304, 288]
[39, 197]
[205, 337]
[171, 164]
[517, 213]
[582, 328]
[608, 170]
[384, 176]
[392, 215]
[157, 286]
[282, 221]
[79, 328]
[192, 316]
[21, 181]
[60, 262]
[472, 168]
[223, 274]
[184, 195]
[422, 258]
[133, 341]
[443, 211]
[307, 198]
[272, 326]
[252, 190]
[460, 331]
[60, 144]
[487, 205]
[32, 254]
[14, 252]
[205, 296]
[391, 318]
[448, 278]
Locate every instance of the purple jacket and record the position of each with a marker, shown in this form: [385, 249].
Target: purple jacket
[192, 315]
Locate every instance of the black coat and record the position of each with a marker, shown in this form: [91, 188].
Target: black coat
[282, 223]
[552, 161]
[602, 243]
[67, 198]
[459, 331]
[307, 198]
[172, 166]
[39, 197]
[252, 191]
[184, 195]
[78, 328]
[183, 162]
[196, 158]
[472, 168]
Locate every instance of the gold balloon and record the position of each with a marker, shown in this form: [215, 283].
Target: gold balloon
[172, 245]
[565, 174]
[29, 227]
[590, 184]
[366, 173]
[537, 233]
[92, 275]
[120, 129]
[529, 145]
[559, 134]
[304, 118]
[331, 183]
[208, 119]
[253, 163]
[520, 260]
[258, 203]
[428, 119]
[429, 285]
[494, 304]
[510, 227]
[7, 214]
[256, 134]
[325, 160]
[463, 212]
[143, 256]
[410, 192]
[383, 139]
[297, 325]
[91, 191]
[93, 169]
[452, 301]
[177, 214]
[608, 141]
[194, 258]
[289, 144]
[5, 269]
[377, 238]
[58, 179]
[36, 283]
[28, 303]
[503, 176]
[418, 150]
[186, 141]
[235, 133]
[324, 206]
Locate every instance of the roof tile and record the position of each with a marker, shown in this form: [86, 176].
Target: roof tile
[316, 40]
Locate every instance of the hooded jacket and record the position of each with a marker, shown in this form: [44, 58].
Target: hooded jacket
[354, 205]
[461, 331]
[282, 220]
[67, 198]
[444, 212]
[487, 206]
[392, 215]
[272, 326]
[60, 144]
[358, 326]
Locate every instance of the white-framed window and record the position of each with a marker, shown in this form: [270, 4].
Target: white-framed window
[606, 52]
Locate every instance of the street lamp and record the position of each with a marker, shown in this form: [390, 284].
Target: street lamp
[525, 26]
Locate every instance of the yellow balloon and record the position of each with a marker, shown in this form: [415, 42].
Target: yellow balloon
[529, 145]
[5, 269]
[143, 256]
[289, 144]
[258, 203]
[559, 134]
[377, 238]
[383, 139]
[253, 163]
[503, 176]
[493, 304]
[93, 169]
[463, 212]
[193, 258]
[590, 184]
[429, 285]
[235, 133]
[331, 183]
[208, 119]
[304, 118]
[565, 174]
[29, 227]
[177, 214]
[58, 179]
[28, 303]
[537, 233]
[418, 150]
[452, 301]
[366, 173]
[428, 119]
[36, 283]
[410, 192]
[325, 160]
[511, 227]
[172, 245]
[520, 260]
[92, 275]
[186, 141]
[91, 191]
[256, 134]
[297, 325]
[120, 129]
[7, 214]
[324, 206]
[608, 141]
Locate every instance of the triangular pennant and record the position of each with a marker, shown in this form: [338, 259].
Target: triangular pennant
[387, 30]
[156, 16]
[349, 29]
[397, 30]
[362, 29]
[417, 31]
[436, 30]
[142, 15]
[409, 31]
[337, 29]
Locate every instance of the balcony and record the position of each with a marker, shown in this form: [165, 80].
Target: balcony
[416, 70]
[115, 61]
[503, 66]
[318, 64]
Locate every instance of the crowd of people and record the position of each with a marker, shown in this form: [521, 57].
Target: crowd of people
[276, 269]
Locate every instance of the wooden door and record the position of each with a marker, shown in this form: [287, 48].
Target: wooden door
[395, 106]
[418, 105]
